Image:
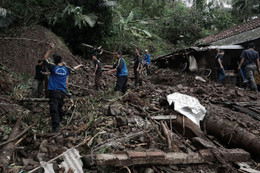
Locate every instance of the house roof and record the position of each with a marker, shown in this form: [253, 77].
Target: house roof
[236, 30]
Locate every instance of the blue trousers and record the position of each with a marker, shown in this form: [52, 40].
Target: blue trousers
[220, 74]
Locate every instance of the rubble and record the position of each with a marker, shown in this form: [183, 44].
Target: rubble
[139, 127]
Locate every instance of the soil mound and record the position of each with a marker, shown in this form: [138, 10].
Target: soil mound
[21, 51]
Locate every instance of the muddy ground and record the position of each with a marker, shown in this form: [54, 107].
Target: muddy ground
[99, 122]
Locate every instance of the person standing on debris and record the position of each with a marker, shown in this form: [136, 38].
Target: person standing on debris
[147, 61]
[219, 64]
[57, 87]
[121, 73]
[97, 51]
[137, 66]
[39, 79]
[250, 61]
[98, 70]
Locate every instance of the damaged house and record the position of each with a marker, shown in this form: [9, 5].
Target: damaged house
[233, 41]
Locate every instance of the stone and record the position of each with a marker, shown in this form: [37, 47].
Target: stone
[40, 156]
[149, 170]
[27, 162]
[43, 146]
[179, 86]
[113, 110]
[202, 144]
[53, 148]
[256, 132]
[121, 121]
[240, 93]
[201, 91]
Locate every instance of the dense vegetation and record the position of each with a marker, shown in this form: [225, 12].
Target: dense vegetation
[159, 25]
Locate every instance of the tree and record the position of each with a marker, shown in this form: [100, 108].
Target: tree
[246, 8]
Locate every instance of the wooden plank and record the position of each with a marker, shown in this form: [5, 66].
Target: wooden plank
[164, 117]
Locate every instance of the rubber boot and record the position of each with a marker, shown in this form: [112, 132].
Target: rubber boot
[117, 93]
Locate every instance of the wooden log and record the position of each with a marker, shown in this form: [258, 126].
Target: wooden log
[232, 134]
[167, 134]
[129, 158]
[7, 150]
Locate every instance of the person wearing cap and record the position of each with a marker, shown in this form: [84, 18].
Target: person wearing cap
[137, 66]
[38, 79]
[98, 70]
[147, 61]
[57, 86]
[121, 73]
[250, 61]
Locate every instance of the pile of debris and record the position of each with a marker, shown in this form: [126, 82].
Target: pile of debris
[175, 122]
[136, 132]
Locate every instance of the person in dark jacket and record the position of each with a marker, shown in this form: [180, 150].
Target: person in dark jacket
[120, 69]
[250, 61]
[219, 66]
[39, 79]
[97, 70]
[137, 66]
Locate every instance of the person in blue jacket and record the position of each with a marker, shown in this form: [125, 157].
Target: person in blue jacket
[147, 61]
[121, 73]
[57, 86]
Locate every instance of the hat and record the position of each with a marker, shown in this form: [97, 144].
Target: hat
[146, 50]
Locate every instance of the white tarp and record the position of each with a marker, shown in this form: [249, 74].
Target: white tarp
[188, 106]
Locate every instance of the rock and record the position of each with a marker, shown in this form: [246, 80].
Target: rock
[37, 110]
[40, 156]
[179, 86]
[113, 110]
[53, 148]
[256, 132]
[5, 137]
[69, 145]
[121, 121]
[27, 162]
[240, 93]
[201, 143]
[149, 170]
[142, 139]
[43, 146]
[163, 102]
[29, 167]
[174, 167]
[201, 91]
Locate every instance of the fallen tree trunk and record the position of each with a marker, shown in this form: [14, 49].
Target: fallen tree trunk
[233, 135]
[7, 150]
[161, 158]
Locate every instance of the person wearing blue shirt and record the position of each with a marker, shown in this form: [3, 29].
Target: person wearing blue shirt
[147, 61]
[57, 86]
[121, 73]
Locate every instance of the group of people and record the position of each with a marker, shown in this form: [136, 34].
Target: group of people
[249, 63]
[58, 78]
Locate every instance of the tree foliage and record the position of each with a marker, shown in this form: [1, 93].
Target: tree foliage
[159, 25]
[246, 8]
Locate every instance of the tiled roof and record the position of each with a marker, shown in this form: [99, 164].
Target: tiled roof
[232, 31]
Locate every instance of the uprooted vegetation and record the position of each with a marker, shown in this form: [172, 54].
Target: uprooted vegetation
[136, 132]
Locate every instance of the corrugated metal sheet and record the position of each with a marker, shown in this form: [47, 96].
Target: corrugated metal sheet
[72, 161]
[48, 168]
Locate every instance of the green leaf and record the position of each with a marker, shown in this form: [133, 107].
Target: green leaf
[130, 17]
